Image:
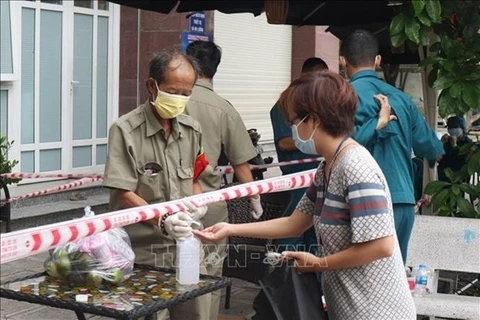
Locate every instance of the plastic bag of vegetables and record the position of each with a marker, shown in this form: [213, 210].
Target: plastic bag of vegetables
[106, 256]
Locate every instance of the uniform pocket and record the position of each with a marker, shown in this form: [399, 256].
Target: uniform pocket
[185, 182]
[148, 186]
[185, 173]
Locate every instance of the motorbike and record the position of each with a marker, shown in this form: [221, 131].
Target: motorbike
[257, 160]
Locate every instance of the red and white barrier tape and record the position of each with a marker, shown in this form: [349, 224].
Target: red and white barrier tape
[21, 175]
[63, 187]
[222, 169]
[229, 169]
[23, 243]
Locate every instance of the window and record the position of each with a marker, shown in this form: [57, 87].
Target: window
[3, 113]
[6, 61]
[102, 5]
[64, 97]
[84, 3]
[52, 1]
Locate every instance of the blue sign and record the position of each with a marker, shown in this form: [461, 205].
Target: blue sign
[189, 37]
[197, 22]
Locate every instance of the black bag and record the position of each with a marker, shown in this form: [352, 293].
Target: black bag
[288, 295]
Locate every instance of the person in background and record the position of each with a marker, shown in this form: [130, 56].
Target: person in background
[155, 155]
[223, 131]
[287, 151]
[349, 205]
[390, 138]
[452, 142]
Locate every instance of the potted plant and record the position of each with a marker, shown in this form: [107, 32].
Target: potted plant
[456, 72]
[6, 165]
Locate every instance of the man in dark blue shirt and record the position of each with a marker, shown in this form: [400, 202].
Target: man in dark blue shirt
[286, 151]
[390, 142]
[452, 142]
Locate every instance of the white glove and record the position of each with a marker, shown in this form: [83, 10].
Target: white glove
[178, 225]
[256, 208]
[196, 213]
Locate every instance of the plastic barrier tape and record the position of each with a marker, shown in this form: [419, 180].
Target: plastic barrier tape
[229, 169]
[222, 169]
[21, 175]
[23, 243]
[63, 187]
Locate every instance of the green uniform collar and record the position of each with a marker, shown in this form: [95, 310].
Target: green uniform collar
[364, 73]
[153, 126]
[204, 83]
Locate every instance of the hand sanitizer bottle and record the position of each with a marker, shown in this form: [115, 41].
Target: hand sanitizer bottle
[188, 260]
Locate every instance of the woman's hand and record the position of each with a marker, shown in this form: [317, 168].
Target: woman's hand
[214, 233]
[385, 116]
[305, 262]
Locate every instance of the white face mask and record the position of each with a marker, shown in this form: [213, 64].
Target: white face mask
[305, 146]
[169, 106]
[455, 132]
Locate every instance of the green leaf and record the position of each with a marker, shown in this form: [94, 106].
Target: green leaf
[448, 65]
[470, 95]
[456, 189]
[424, 19]
[418, 6]
[465, 148]
[397, 25]
[450, 174]
[432, 77]
[435, 47]
[430, 60]
[473, 74]
[434, 10]
[412, 30]
[473, 164]
[444, 211]
[398, 40]
[453, 48]
[467, 188]
[425, 35]
[444, 82]
[456, 89]
[469, 31]
[466, 207]
[440, 199]
[445, 103]
[435, 187]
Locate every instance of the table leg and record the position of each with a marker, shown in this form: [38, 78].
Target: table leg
[80, 315]
[227, 297]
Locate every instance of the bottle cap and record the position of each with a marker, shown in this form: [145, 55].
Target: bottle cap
[81, 298]
[422, 266]
[195, 224]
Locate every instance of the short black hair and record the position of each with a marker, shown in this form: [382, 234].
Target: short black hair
[160, 63]
[360, 49]
[208, 56]
[314, 64]
[455, 122]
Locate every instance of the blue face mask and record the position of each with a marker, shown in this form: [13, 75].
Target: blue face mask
[305, 146]
[455, 132]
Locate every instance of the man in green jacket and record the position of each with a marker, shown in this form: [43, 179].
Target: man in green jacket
[391, 142]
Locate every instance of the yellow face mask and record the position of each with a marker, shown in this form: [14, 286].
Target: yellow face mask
[168, 105]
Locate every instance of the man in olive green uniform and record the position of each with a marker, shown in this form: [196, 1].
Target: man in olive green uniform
[223, 129]
[152, 154]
